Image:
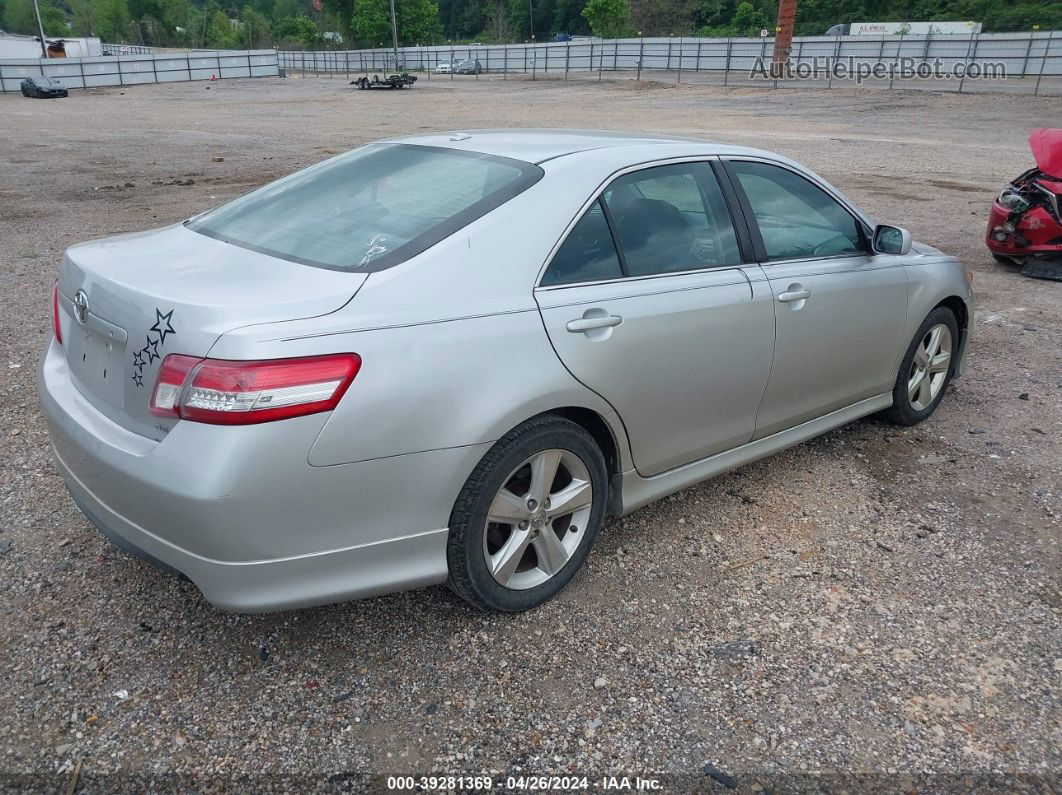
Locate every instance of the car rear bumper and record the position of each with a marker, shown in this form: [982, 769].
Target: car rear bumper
[244, 515]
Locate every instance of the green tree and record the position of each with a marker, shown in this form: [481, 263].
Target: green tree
[609, 19]
[54, 21]
[19, 17]
[220, 33]
[256, 31]
[110, 20]
[418, 21]
[748, 20]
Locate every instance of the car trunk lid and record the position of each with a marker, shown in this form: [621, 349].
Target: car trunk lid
[126, 302]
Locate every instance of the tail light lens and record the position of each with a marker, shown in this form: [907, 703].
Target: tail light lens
[55, 315]
[223, 392]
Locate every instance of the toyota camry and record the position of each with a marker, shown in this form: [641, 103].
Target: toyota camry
[447, 358]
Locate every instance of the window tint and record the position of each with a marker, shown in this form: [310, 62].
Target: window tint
[587, 254]
[796, 218]
[672, 218]
[371, 208]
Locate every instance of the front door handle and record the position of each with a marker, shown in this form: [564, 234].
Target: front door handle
[794, 295]
[582, 324]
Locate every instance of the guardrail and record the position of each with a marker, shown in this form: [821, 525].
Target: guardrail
[1033, 54]
[124, 70]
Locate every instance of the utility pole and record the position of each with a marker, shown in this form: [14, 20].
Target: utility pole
[783, 37]
[531, 18]
[394, 34]
[40, 28]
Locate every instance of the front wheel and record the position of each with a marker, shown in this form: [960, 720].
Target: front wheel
[527, 516]
[926, 369]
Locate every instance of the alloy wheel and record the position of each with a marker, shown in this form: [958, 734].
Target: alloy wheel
[929, 368]
[537, 519]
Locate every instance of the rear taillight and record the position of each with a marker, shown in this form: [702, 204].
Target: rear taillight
[225, 392]
[55, 315]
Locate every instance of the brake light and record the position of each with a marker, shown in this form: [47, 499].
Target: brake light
[224, 392]
[55, 315]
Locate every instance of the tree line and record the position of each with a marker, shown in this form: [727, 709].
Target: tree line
[320, 24]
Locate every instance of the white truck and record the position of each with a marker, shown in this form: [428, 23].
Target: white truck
[904, 29]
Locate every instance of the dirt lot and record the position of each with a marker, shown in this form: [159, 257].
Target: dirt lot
[878, 602]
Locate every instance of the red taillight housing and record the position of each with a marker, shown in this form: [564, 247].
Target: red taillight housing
[225, 392]
[55, 315]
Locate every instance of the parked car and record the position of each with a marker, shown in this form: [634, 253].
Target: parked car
[469, 67]
[1025, 222]
[43, 88]
[447, 357]
[445, 67]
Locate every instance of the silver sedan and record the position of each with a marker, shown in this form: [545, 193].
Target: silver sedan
[447, 358]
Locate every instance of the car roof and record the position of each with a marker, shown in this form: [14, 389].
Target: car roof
[540, 145]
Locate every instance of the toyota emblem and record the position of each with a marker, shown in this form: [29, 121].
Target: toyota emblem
[81, 306]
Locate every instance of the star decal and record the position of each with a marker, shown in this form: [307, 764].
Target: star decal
[138, 379]
[138, 360]
[151, 349]
[158, 328]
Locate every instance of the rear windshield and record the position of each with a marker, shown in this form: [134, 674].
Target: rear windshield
[371, 208]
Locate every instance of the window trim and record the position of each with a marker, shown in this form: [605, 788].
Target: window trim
[736, 219]
[862, 222]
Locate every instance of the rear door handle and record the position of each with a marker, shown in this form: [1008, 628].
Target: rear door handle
[793, 295]
[579, 325]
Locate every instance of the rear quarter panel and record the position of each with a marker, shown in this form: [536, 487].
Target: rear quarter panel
[454, 352]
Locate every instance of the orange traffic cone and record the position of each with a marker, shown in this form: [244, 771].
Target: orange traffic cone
[213, 76]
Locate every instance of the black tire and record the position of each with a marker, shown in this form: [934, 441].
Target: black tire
[469, 575]
[902, 412]
[1003, 259]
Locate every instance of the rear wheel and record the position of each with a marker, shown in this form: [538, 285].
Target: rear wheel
[926, 369]
[527, 516]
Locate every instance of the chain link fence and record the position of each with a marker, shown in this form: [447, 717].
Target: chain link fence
[1024, 62]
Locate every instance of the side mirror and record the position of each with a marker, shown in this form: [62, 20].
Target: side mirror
[891, 240]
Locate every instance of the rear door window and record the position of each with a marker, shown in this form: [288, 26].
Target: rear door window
[672, 218]
[588, 253]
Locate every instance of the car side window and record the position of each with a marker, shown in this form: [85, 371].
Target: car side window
[587, 254]
[672, 218]
[795, 217]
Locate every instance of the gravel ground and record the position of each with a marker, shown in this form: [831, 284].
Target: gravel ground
[874, 605]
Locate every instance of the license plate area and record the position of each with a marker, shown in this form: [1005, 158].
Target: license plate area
[97, 360]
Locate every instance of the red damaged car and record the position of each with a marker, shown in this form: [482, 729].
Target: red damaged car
[1025, 225]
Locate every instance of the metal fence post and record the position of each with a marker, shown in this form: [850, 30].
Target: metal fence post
[836, 57]
[697, 60]
[615, 55]
[669, 43]
[567, 56]
[972, 43]
[1043, 61]
[726, 66]
[641, 52]
[1025, 63]
[892, 72]
[680, 62]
